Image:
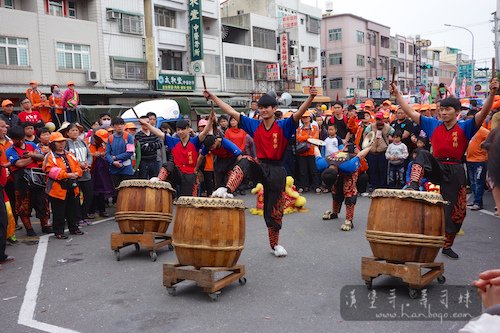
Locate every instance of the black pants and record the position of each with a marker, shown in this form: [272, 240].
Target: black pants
[3, 229]
[149, 169]
[377, 170]
[185, 184]
[309, 175]
[11, 194]
[87, 189]
[221, 168]
[117, 179]
[64, 210]
[208, 184]
[98, 204]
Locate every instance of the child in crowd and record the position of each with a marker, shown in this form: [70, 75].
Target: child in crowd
[396, 154]
[43, 137]
[333, 141]
[421, 140]
[29, 132]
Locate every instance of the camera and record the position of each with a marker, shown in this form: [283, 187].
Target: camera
[68, 184]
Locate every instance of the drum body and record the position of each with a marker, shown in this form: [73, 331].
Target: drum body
[209, 232]
[405, 226]
[144, 206]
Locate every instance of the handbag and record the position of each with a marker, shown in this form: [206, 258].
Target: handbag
[302, 147]
[35, 178]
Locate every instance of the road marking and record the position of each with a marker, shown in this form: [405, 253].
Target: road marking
[27, 311]
[484, 211]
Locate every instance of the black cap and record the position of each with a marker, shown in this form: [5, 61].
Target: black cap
[182, 124]
[267, 100]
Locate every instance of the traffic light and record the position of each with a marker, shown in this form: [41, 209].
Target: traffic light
[426, 66]
[380, 78]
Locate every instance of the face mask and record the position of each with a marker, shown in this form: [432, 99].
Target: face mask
[106, 122]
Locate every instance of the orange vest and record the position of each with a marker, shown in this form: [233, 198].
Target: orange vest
[33, 96]
[44, 109]
[54, 188]
[305, 133]
[55, 102]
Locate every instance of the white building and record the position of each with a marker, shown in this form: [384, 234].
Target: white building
[403, 58]
[301, 25]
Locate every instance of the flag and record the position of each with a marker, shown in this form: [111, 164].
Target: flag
[337, 97]
[462, 90]
[452, 86]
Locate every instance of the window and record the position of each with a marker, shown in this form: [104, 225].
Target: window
[73, 56]
[8, 4]
[361, 83]
[323, 61]
[335, 59]
[336, 83]
[264, 38]
[384, 42]
[313, 25]
[171, 60]
[313, 53]
[164, 17]
[237, 68]
[402, 85]
[302, 48]
[411, 67]
[411, 49]
[71, 9]
[131, 24]
[14, 51]
[360, 36]
[334, 34]
[401, 66]
[372, 36]
[128, 70]
[360, 60]
[212, 64]
[402, 48]
[260, 71]
[56, 8]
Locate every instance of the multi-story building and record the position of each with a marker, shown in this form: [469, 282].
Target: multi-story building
[298, 31]
[403, 58]
[355, 57]
[430, 62]
[461, 61]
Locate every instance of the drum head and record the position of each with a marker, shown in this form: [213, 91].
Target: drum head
[146, 183]
[434, 198]
[316, 142]
[368, 140]
[200, 202]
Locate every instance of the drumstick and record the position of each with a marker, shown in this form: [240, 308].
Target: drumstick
[393, 74]
[493, 70]
[311, 80]
[135, 113]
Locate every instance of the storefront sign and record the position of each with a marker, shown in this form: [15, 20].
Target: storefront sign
[174, 82]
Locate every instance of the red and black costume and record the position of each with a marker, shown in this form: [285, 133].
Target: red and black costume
[270, 145]
[445, 167]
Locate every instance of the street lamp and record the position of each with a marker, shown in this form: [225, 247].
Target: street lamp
[472, 35]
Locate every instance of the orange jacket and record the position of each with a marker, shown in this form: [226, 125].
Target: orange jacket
[55, 168]
[44, 109]
[305, 133]
[55, 102]
[33, 96]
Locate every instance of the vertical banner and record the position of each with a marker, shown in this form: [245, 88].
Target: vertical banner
[195, 30]
[284, 54]
[273, 72]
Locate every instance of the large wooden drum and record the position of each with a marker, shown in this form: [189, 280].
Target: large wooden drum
[209, 232]
[144, 206]
[405, 225]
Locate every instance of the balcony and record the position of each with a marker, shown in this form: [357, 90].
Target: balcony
[174, 39]
[211, 44]
[210, 8]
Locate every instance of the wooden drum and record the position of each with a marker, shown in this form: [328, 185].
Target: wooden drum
[209, 232]
[406, 225]
[144, 206]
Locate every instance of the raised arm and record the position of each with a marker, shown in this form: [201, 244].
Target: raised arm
[207, 128]
[156, 131]
[481, 115]
[303, 108]
[226, 108]
[412, 114]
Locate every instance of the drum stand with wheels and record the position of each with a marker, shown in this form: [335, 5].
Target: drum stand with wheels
[409, 272]
[151, 241]
[203, 276]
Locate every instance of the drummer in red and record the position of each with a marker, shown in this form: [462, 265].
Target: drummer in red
[271, 139]
[449, 139]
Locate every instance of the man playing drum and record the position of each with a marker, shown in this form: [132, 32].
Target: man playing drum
[449, 139]
[271, 138]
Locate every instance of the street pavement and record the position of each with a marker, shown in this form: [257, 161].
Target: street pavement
[83, 288]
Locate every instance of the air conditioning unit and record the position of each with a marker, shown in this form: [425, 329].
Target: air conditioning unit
[92, 76]
[112, 15]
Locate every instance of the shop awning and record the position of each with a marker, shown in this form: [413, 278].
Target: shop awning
[21, 89]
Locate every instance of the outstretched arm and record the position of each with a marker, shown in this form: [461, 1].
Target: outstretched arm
[156, 131]
[414, 115]
[226, 108]
[303, 108]
[481, 115]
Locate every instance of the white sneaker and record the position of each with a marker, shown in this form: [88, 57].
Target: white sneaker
[279, 251]
[221, 192]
